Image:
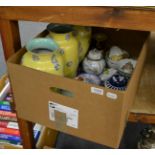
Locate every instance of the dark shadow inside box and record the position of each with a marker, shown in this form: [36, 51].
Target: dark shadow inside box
[129, 140]
[129, 40]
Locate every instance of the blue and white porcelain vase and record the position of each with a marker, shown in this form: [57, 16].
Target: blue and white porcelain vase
[94, 62]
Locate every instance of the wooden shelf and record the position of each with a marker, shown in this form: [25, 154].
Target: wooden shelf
[114, 17]
[136, 18]
[144, 108]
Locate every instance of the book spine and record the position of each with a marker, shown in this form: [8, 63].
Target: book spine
[8, 131]
[10, 138]
[4, 103]
[4, 91]
[6, 118]
[5, 107]
[9, 124]
[9, 142]
[36, 131]
[7, 114]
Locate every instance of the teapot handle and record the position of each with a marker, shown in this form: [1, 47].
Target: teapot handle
[42, 43]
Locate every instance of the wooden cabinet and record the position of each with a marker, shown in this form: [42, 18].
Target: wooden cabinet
[113, 17]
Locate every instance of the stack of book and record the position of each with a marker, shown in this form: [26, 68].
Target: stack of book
[9, 130]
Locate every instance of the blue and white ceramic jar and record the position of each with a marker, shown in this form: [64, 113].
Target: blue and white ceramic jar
[89, 78]
[117, 82]
[94, 62]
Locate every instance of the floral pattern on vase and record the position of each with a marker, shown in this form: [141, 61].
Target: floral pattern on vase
[63, 36]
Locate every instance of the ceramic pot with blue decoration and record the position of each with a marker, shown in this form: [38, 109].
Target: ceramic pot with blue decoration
[94, 62]
[89, 78]
[117, 82]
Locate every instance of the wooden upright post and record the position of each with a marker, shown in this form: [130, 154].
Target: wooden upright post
[11, 43]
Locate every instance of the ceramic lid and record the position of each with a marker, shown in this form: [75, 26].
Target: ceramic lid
[95, 54]
[115, 50]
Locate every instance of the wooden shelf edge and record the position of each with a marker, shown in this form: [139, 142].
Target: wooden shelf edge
[143, 118]
[114, 17]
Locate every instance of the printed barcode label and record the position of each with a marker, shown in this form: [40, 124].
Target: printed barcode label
[71, 113]
[98, 91]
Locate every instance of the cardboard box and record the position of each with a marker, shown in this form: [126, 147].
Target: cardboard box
[99, 117]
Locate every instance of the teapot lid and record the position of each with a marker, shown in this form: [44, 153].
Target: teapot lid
[115, 50]
[95, 54]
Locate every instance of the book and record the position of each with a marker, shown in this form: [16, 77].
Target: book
[5, 91]
[3, 81]
[6, 145]
[8, 131]
[5, 103]
[5, 107]
[8, 98]
[6, 118]
[16, 139]
[9, 142]
[12, 139]
[9, 124]
[36, 131]
[7, 114]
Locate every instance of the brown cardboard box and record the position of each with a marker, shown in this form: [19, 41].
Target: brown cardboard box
[97, 117]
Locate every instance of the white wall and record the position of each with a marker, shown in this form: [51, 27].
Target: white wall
[27, 31]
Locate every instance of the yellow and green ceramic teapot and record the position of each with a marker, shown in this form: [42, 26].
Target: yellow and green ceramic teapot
[42, 54]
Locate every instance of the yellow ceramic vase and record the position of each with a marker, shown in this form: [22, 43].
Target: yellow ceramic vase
[63, 35]
[83, 35]
[42, 55]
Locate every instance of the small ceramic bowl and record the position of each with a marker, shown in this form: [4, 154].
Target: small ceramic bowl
[126, 67]
[114, 55]
[117, 82]
[89, 78]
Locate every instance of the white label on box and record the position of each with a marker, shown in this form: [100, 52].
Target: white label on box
[71, 114]
[111, 95]
[98, 91]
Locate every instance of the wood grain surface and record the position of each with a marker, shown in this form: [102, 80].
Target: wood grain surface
[11, 43]
[143, 118]
[125, 18]
[10, 37]
[145, 99]
[114, 17]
